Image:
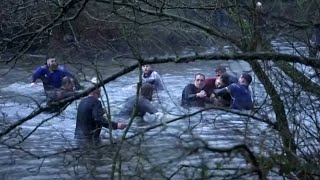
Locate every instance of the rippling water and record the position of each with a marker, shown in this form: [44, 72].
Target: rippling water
[162, 150]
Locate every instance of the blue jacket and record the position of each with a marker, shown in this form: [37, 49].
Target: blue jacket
[50, 80]
[241, 96]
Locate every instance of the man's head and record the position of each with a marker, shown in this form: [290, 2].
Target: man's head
[67, 83]
[147, 91]
[220, 70]
[199, 80]
[146, 68]
[52, 64]
[245, 78]
[222, 81]
[96, 93]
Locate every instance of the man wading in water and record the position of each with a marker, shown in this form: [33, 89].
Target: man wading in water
[90, 118]
[51, 75]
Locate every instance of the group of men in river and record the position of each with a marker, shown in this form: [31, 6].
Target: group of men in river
[223, 90]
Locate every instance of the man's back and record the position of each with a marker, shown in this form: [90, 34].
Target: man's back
[143, 106]
[241, 96]
[89, 108]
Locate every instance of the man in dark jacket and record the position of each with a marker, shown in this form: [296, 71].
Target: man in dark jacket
[220, 70]
[90, 118]
[143, 105]
[193, 94]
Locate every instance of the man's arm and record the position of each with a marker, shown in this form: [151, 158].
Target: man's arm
[76, 82]
[147, 106]
[189, 94]
[98, 116]
[221, 92]
[67, 73]
[37, 73]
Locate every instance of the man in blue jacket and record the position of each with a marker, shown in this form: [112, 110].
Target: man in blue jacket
[240, 93]
[51, 75]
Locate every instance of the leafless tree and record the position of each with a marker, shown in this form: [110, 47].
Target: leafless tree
[280, 138]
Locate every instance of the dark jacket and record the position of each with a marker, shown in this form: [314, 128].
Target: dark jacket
[90, 119]
[143, 106]
[232, 79]
[189, 98]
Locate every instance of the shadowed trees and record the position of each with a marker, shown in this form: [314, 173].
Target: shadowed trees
[152, 32]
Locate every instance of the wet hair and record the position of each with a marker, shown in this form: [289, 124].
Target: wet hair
[224, 79]
[47, 60]
[147, 90]
[199, 74]
[66, 80]
[148, 65]
[247, 77]
[221, 69]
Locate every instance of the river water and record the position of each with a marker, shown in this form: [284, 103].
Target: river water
[51, 152]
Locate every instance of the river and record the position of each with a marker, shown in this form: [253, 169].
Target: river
[51, 152]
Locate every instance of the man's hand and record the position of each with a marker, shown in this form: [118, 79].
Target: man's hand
[202, 94]
[121, 126]
[159, 115]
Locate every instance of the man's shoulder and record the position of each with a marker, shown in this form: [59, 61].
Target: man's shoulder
[233, 86]
[90, 99]
[62, 68]
[190, 85]
[43, 67]
[143, 100]
[232, 79]
[155, 73]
